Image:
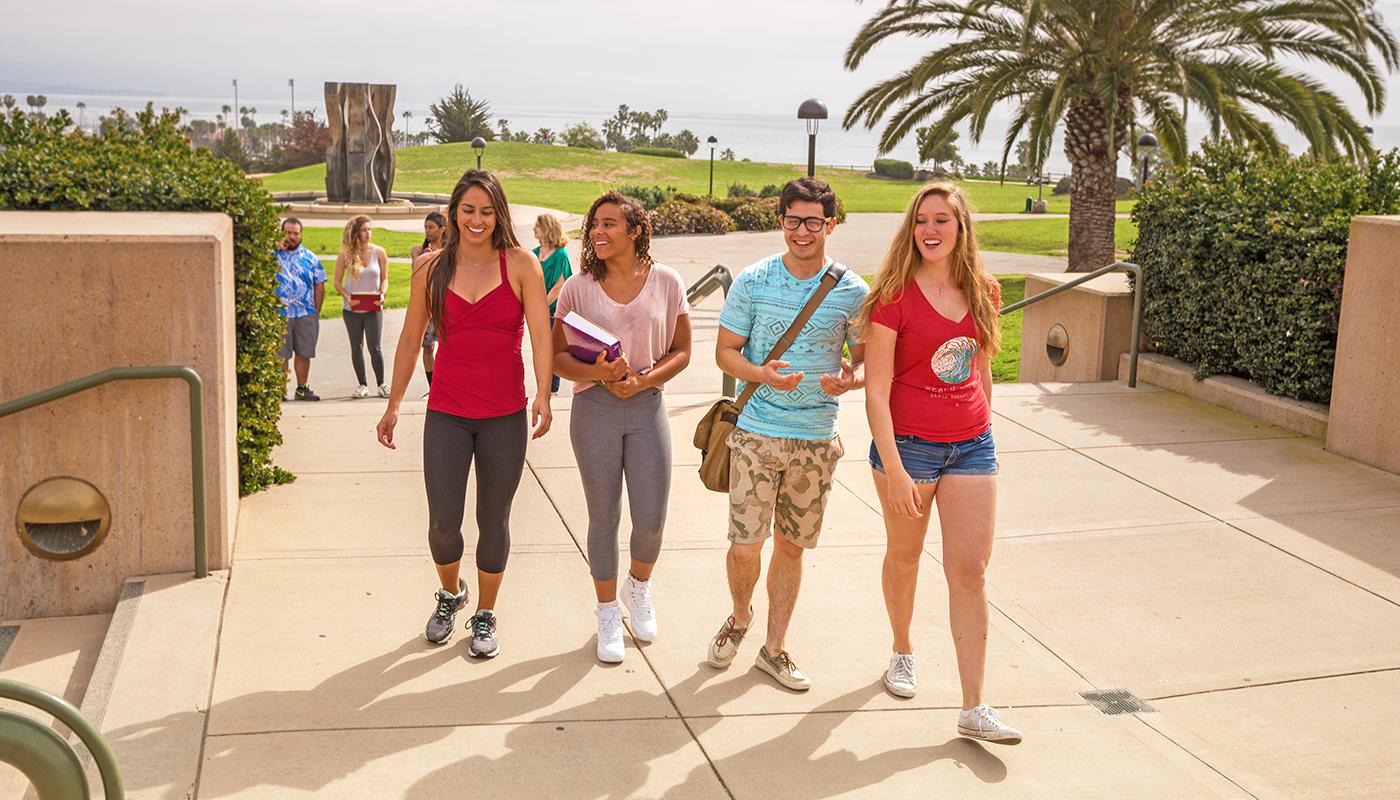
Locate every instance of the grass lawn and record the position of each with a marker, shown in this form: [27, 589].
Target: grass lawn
[569, 179]
[1041, 236]
[326, 242]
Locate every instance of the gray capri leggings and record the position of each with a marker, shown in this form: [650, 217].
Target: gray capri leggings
[613, 439]
[449, 444]
[362, 326]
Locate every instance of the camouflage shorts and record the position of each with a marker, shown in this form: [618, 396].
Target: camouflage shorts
[790, 476]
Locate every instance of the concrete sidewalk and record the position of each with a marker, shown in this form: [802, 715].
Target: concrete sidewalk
[1234, 576]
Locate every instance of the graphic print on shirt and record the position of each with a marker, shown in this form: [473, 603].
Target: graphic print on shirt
[953, 361]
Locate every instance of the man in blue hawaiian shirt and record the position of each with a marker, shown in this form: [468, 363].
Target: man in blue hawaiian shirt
[301, 285]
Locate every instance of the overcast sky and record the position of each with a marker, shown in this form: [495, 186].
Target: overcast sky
[705, 56]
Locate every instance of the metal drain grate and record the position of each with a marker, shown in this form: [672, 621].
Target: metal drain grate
[1112, 702]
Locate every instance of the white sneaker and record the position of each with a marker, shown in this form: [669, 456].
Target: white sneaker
[636, 597]
[984, 723]
[360, 391]
[383, 390]
[610, 646]
[899, 678]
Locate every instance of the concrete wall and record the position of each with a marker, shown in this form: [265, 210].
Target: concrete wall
[1365, 408]
[84, 292]
[1097, 315]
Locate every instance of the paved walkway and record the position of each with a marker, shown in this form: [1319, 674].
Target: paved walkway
[1236, 577]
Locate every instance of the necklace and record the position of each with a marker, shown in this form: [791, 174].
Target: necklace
[479, 263]
[941, 286]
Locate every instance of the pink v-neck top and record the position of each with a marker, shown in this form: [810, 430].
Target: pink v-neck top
[479, 371]
[937, 390]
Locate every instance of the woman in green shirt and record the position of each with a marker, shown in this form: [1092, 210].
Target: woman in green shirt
[555, 263]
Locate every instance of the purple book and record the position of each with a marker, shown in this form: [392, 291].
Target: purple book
[587, 339]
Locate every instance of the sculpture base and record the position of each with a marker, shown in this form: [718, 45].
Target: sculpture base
[402, 205]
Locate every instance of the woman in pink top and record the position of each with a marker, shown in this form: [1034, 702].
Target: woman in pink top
[480, 290]
[930, 325]
[618, 426]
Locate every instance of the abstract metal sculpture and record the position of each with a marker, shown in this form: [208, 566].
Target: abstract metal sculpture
[360, 157]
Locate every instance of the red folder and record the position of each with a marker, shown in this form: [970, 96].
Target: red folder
[367, 301]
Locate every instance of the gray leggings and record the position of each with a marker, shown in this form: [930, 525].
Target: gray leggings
[613, 439]
[362, 325]
[449, 444]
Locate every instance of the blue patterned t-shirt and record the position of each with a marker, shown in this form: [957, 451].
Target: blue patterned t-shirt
[760, 306]
[296, 281]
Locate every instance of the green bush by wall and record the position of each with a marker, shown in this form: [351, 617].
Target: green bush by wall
[894, 168]
[149, 166]
[1243, 259]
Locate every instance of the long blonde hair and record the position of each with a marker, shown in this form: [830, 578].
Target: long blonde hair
[903, 259]
[554, 235]
[351, 246]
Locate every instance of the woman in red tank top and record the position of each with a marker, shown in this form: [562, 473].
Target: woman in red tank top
[930, 326]
[480, 291]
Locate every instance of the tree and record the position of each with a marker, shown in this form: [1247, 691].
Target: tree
[230, 147]
[1097, 67]
[543, 136]
[583, 135]
[407, 115]
[503, 125]
[9, 101]
[223, 118]
[306, 141]
[936, 151]
[687, 142]
[727, 155]
[459, 118]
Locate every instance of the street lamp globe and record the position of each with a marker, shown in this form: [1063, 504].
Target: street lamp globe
[1145, 141]
[479, 145]
[712, 141]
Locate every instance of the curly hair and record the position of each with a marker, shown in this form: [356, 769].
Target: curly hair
[637, 220]
[903, 259]
[554, 235]
[351, 247]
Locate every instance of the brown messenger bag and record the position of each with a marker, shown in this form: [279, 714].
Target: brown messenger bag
[712, 434]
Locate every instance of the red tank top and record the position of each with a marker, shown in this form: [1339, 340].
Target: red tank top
[479, 371]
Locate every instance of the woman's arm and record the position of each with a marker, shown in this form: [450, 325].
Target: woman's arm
[667, 367]
[340, 280]
[405, 361]
[383, 272]
[528, 281]
[879, 377]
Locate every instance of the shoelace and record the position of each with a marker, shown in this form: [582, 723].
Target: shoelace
[902, 669]
[640, 600]
[447, 606]
[985, 713]
[611, 623]
[483, 626]
[730, 630]
[782, 661]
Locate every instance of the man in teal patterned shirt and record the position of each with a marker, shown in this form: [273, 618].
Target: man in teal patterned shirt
[785, 446]
[301, 283]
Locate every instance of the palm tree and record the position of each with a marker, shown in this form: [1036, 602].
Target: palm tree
[1099, 67]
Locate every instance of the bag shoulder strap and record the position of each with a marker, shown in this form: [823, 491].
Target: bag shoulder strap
[832, 277]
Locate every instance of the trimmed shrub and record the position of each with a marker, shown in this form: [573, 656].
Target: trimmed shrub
[661, 152]
[1243, 260]
[725, 204]
[1061, 187]
[894, 168]
[650, 197]
[756, 215]
[771, 190]
[676, 216]
[739, 189]
[149, 166]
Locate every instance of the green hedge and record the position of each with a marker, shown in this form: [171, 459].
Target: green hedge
[1243, 259]
[150, 167]
[662, 152]
[894, 168]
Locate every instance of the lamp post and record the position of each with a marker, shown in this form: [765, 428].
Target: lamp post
[237, 123]
[479, 145]
[1144, 141]
[713, 141]
[292, 84]
[812, 110]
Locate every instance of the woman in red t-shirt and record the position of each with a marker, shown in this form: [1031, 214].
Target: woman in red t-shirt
[930, 325]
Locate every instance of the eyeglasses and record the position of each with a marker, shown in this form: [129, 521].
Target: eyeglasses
[813, 224]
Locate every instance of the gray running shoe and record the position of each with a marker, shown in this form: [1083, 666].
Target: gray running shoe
[444, 619]
[483, 628]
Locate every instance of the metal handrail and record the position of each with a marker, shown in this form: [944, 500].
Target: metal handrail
[44, 757]
[201, 535]
[718, 278]
[1137, 306]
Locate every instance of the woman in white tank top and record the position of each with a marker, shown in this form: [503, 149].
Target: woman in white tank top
[362, 279]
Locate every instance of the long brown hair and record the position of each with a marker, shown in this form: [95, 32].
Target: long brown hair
[637, 220]
[351, 247]
[903, 259]
[443, 269]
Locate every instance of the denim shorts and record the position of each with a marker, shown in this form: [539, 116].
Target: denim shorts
[927, 461]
